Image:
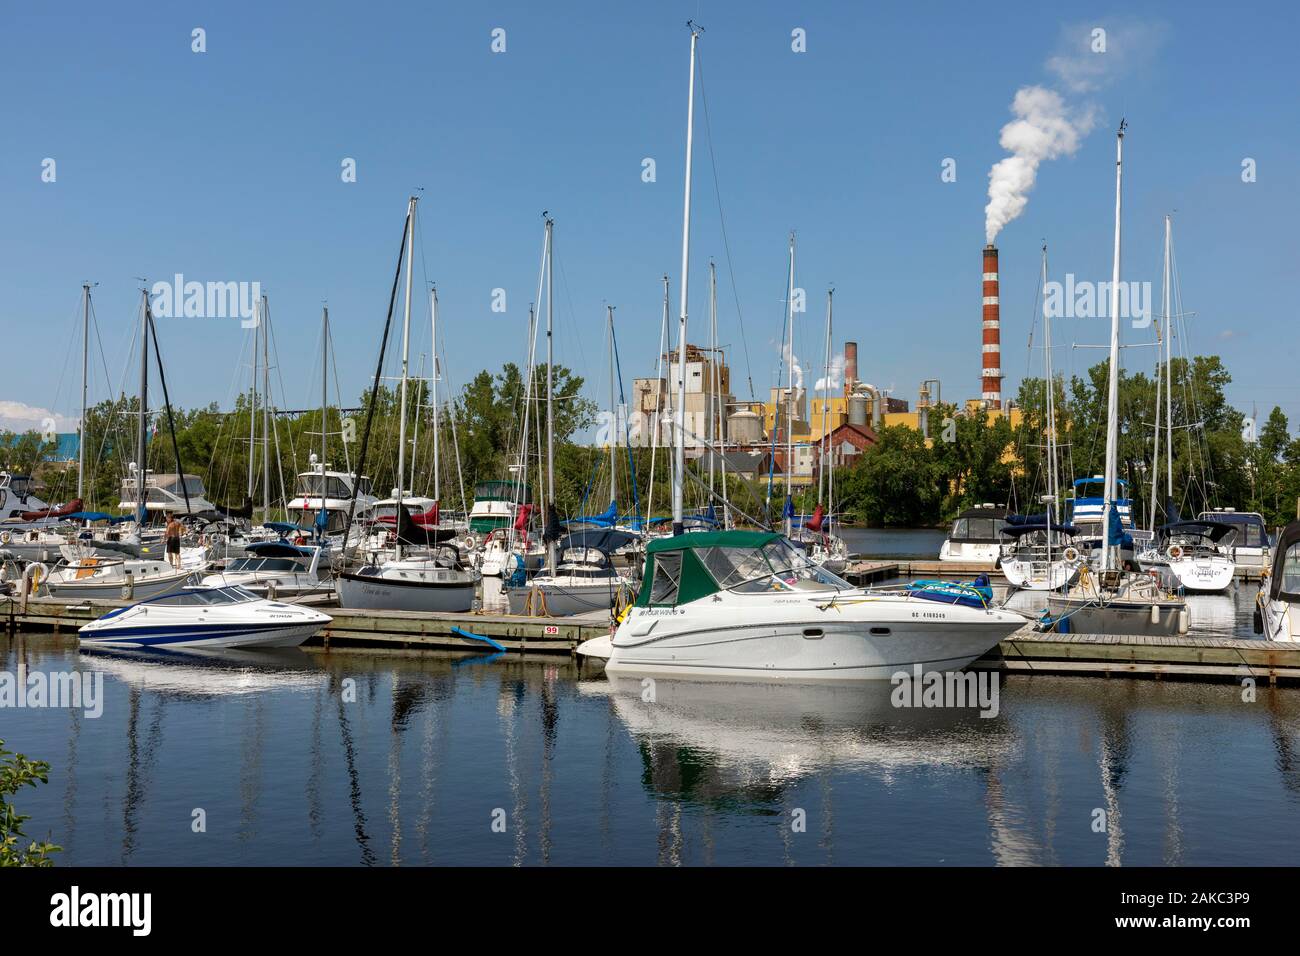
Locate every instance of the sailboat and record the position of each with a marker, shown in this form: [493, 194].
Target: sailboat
[1112, 601]
[749, 604]
[424, 571]
[1042, 557]
[1187, 554]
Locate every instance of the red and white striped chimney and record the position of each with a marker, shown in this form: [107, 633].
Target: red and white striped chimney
[992, 380]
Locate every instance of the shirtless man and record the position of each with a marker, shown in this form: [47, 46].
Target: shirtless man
[173, 540]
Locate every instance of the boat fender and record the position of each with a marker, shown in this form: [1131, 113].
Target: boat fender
[1184, 621]
[1155, 614]
[1257, 620]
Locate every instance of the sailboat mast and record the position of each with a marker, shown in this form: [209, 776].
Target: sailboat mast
[406, 349]
[266, 413]
[85, 350]
[1155, 454]
[826, 383]
[789, 415]
[679, 449]
[433, 391]
[1169, 370]
[324, 387]
[1112, 389]
[142, 435]
[660, 400]
[252, 397]
[550, 384]
[1053, 490]
[613, 414]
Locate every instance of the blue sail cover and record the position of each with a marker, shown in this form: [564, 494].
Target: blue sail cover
[606, 520]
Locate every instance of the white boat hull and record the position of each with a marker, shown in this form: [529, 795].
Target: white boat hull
[562, 599]
[1029, 575]
[799, 641]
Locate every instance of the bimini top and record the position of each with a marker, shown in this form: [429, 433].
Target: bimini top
[1018, 530]
[1216, 531]
[1095, 487]
[687, 567]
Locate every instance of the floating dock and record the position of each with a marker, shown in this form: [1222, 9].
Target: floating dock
[1026, 652]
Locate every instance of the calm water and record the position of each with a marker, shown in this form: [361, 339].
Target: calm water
[380, 759]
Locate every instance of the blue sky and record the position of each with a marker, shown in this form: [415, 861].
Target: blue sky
[225, 166]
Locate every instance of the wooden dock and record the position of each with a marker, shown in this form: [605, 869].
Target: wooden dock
[1026, 652]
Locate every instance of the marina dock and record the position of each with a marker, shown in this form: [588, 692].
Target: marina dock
[1026, 652]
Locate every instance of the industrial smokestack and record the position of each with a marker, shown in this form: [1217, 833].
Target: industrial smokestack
[992, 381]
[850, 366]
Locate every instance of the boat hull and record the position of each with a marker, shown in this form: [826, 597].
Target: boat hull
[1028, 575]
[811, 645]
[370, 592]
[112, 590]
[1086, 616]
[561, 600]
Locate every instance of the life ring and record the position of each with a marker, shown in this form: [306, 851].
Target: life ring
[1174, 552]
[4, 537]
[1071, 554]
[470, 542]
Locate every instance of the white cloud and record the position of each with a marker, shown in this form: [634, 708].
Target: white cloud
[20, 417]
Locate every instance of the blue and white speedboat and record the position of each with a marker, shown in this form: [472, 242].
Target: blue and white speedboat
[205, 617]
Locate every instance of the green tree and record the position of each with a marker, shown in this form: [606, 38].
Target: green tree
[16, 771]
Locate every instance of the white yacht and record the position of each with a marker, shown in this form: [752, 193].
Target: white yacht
[204, 617]
[292, 571]
[1277, 608]
[1251, 547]
[975, 536]
[165, 493]
[432, 580]
[1037, 556]
[101, 578]
[1192, 555]
[331, 490]
[585, 578]
[750, 605]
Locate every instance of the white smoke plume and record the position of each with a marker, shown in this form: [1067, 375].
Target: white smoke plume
[1044, 128]
[792, 363]
[832, 381]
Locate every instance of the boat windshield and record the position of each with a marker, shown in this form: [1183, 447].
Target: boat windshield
[205, 597]
[777, 566]
[262, 564]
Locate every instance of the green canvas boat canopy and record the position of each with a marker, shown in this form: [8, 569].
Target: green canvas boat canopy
[687, 567]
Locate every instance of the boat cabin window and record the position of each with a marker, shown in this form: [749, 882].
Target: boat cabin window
[1290, 577]
[777, 566]
[977, 529]
[309, 486]
[263, 564]
[667, 576]
[204, 597]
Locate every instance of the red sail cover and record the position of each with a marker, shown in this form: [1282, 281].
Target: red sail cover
[817, 520]
[521, 519]
[71, 508]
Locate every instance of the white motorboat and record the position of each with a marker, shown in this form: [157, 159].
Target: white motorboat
[1192, 555]
[750, 605]
[205, 617]
[974, 536]
[1277, 608]
[165, 494]
[434, 580]
[290, 571]
[585, 577]
[1252, 547]
[321, 489]
[92, 578]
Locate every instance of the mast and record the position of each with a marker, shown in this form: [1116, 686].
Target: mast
[1052, 488]
[406, 355]
[266, 414]
[1155, 454]
[433, 392]
[789, 414]
[85, 350]
[826, 384]
[660, 399]
[713, 368]
[324, 402]
[252, 398]
[679, 449]
[1169, 371]
[142, 434]
[1112, 389]
[613, 414]
[550, 385]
